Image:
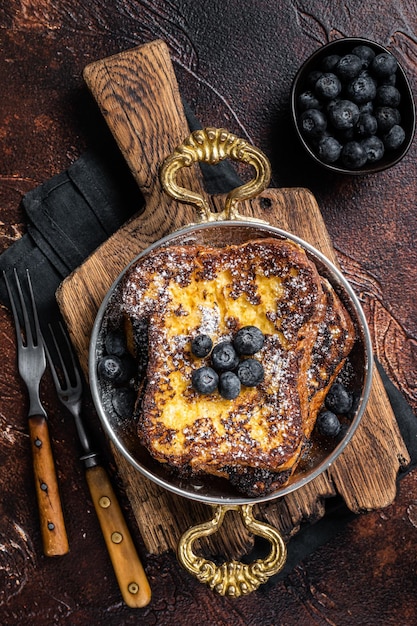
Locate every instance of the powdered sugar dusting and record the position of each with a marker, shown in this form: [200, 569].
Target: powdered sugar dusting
[185, 291]
[210, 320]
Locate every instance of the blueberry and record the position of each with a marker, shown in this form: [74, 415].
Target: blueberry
[328, 424]
[313, 122]
[115, 342]
[353, 155]
[348, 67]
[387, 95]
[329, 62]
[123, 401]
[328, 86]
[374, 148]
[343, 114]
[365, 53]
[116, 369]
[384, 64]
[355, 405]
[201, 345]
[361, 89]
[366, 125]
[248, 340]
[329, 149]
[394, 138]
[229, 385]
[312, 78]
[250, 372]
[338, 399]
[204, 380]
[308, 100]
[224, 357]
[387, 117]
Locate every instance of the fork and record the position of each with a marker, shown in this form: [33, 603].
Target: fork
[31, 365]
[127, 566]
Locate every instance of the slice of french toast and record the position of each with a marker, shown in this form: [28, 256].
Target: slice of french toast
[335, 339]
[255, 440]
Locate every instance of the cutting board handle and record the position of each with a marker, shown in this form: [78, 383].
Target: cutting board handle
[144, 111]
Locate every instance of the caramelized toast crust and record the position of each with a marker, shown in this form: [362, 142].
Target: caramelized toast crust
[334, 341]
[179, 292]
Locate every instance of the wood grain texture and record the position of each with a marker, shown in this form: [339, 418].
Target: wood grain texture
[129, 100]
[138, 96]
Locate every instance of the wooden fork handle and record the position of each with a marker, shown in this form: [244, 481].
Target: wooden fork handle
[127, 566]
[54, 535]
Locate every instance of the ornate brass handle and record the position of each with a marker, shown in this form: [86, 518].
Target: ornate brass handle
[232, 578]
[211, 146]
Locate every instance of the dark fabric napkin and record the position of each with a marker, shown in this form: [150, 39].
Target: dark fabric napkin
[69, 216]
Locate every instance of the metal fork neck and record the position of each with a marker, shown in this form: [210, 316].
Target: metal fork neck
[35, 406]
[89, 457]
[90, 460]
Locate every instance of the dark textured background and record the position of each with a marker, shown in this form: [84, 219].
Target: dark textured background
[234, 62]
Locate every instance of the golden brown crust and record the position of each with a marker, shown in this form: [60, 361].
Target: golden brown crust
[186, 290]
[335, 338]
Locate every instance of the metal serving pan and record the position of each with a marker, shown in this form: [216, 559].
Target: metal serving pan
[220, 229]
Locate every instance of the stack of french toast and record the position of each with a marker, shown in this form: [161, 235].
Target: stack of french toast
[177, 293]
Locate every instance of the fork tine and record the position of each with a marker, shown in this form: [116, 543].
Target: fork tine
[28, 329]
[71, 353]
[38, 338]
[51, 363]
[63, 365]
[14, 309]
[30, 337]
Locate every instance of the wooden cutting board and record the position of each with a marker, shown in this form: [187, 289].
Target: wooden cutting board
[138, 95]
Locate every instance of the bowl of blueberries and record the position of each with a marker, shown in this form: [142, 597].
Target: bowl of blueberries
[353, 108]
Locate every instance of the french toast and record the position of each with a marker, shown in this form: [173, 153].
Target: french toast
[255, 440]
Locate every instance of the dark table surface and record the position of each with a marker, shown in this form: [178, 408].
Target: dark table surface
[234, 62]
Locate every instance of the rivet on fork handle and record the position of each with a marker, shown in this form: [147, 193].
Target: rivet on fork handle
[129, 571]
[54, 537]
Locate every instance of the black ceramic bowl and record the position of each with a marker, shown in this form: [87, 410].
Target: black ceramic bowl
[406, 109]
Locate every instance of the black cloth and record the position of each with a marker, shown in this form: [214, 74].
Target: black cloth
[73, 213]
[68, 217]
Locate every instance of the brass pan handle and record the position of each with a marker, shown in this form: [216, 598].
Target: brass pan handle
[232, 578]
[212, 145]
